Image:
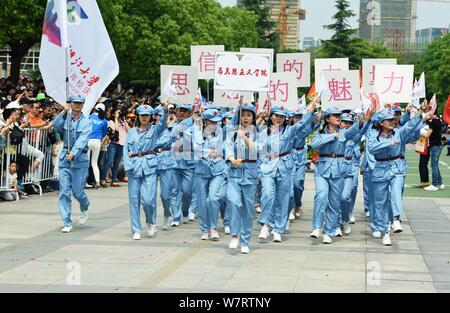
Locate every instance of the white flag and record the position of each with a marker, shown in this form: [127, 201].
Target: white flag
[325, 91]
[169, 89]
[76, 44]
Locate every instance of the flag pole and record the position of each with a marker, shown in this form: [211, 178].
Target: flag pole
[207, 89]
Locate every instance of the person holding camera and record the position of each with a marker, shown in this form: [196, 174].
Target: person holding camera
[117, 133]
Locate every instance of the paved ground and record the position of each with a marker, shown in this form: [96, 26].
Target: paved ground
[101, 257]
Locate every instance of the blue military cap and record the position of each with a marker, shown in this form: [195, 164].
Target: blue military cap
[249, 107]
[158, 111]
[144, 109]
[228, 114]
[185, 106]
[396, 108]
[77, 99]
[279, 110]
[347, 117]
[330, 111]
[386, 114]
[212, 115]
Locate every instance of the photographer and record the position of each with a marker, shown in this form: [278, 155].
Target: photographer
[117, 133]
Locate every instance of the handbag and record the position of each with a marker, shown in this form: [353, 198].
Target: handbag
[422, 145]
[16, 136]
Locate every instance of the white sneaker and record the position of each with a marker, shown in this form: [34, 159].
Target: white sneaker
[397, 227]
[227, 230]
[276, 237]
[315, 234]
[387, 240]
[352, 219]
[338, 232]
[136, 236]
[67, 229]
[175, 224]
[191, 216]
[205, 236]
[347, 229]
[441, 187]
[368, 214]
[166, 223]
[233, 243]
[376, 234]
[83, 218]
[291, 215]
[264, 234]
[431, 188]
[245, 250]
[327, 239]
[258, 209]
[152, 230]
[288, 225]
[214, 235]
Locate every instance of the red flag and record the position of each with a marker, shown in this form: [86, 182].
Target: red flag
[360, 77]
[312, 92]
[446, 114]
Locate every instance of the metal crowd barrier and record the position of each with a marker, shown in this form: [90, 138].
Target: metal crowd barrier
[33, 157]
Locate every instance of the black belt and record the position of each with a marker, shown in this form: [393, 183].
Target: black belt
[84, 151]
[275, 156]
[348, 158]
[159, 150]
[299, 148]
[391, 158]
[248, 161]
[332, 155]
[141, 154]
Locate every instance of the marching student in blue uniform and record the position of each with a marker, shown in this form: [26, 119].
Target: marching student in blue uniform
[330, 172]
[352, 162]
[140, 163]
[386, 144]
[275, 144]
[210, 171]
[300, 159]
[183, 153]
[241, 152]
[165, 170]
[73, 160]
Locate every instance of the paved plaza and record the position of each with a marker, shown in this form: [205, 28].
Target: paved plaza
[101, 257]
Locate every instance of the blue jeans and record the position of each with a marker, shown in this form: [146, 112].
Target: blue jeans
[435, 152]
[115, 154]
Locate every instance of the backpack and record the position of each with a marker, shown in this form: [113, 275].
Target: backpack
[16, 136]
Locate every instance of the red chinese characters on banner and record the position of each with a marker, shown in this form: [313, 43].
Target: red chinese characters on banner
[340, 90]
[233, 96]
[399, 86]
[241, 72]
[279, 91]
[207, 62]
[294, 66]
[81, 78]
[181, 81]
[331, 69]
[372, 76]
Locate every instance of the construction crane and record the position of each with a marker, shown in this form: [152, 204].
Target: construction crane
[283, 20]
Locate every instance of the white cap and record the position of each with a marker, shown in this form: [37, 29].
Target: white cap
[13, 105]
[100, 106]
[171, 106]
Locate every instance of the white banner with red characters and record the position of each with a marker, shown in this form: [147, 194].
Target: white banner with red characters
[242, 71]
[368, 70]
[185, 80]
[232, 99]
[328, 65]
[393, 83]
[204, 58]
[261, 51]
[299, 63]
[283, 91]
[344, 92]
[75, 43]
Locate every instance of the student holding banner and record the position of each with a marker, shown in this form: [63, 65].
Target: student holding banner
[140, 163]
[241, 153]
[275, 145]
[330, 172]
[387, 145]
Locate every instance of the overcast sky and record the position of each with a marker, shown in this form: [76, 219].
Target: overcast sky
[319, 13]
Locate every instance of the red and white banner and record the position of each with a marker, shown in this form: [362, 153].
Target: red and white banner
[344, 92]
[393, 83]
[283, 91]
[204, 58]
[184, 80]
[298, 63]
[368, 69]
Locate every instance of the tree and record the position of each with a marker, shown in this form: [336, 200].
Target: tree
[20, 28]
[435, 62]
[269, 37]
